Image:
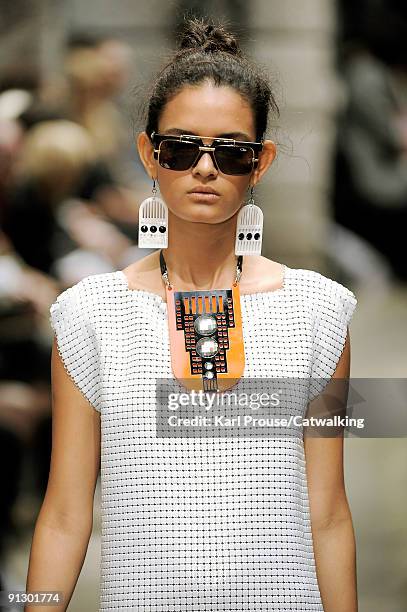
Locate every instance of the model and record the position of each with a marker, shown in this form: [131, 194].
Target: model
[209, 521]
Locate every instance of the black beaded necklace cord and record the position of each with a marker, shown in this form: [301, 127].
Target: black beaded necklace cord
[164, 271]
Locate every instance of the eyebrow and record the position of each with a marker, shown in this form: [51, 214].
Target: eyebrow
[233, 135]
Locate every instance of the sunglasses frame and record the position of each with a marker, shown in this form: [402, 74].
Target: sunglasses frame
[158, 139]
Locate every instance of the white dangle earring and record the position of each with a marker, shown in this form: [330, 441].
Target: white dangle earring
[249, 228]
[153, 222]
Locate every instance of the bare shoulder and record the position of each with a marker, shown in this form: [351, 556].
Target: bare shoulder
[261, 274]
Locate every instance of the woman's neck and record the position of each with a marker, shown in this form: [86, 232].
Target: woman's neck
[201, 255]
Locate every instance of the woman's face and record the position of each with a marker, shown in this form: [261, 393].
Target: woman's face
[214, 112]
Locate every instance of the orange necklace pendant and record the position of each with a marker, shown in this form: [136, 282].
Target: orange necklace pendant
[206, 336]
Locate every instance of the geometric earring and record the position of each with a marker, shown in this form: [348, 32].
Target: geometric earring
[153, 222]
[249, 228]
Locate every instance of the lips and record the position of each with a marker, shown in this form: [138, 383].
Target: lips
[203, 197]
[204, 190]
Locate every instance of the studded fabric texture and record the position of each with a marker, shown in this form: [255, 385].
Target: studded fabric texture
[199, 523]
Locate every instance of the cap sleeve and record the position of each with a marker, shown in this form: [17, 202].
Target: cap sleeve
[76, 341]
[333, 306]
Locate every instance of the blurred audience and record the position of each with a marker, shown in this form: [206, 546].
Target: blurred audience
[58, 167]
[370, 195]
[25, 297]
[91, 87]
[95, 75]
[65, 213]
[61, 214]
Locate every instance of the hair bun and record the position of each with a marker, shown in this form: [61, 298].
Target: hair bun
[205, 36]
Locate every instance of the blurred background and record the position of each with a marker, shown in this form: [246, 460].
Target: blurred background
[72, 78]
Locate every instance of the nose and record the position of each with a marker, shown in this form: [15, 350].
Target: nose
[205, 165]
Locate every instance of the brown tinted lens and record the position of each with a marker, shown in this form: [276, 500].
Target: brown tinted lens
[233, 159]
[177, 155]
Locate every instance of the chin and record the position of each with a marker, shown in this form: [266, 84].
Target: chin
[210, 219]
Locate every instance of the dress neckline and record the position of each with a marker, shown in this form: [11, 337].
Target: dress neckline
[243, 296]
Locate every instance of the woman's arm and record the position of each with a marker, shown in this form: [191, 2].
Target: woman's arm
[64, 524]
[331, 521]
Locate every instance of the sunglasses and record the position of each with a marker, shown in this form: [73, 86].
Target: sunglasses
[183, 152]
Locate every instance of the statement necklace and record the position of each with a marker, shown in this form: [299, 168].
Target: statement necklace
[206, 336]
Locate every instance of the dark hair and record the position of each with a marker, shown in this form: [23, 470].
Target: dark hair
[207, 52]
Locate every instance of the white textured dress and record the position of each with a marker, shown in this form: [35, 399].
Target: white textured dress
[201, 523]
